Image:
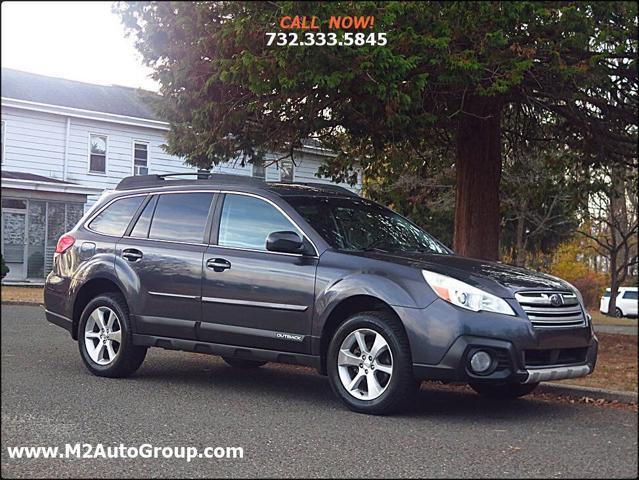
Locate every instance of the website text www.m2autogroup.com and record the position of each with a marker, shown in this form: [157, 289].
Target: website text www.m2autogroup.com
[145, 450]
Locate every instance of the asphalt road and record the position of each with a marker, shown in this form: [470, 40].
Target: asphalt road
[285, 418]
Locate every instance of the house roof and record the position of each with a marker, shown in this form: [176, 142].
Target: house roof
[111, 99]
[30, 181]
[31, 177]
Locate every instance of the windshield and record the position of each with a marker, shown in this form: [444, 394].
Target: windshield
[355, 224]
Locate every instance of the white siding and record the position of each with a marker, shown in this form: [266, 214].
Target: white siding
[306, 166]
[119, 162]
[35, 143]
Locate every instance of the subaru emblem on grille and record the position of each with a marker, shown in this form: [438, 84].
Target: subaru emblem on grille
[556, 300]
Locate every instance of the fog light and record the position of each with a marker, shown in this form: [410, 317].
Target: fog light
[480, 362]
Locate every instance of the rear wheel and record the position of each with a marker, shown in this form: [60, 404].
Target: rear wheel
[618, 312]
[242, 363]
[369, 364]
[105, 339]
[506, 391]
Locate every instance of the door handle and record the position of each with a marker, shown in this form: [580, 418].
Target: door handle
[218, 264]
[132, 254]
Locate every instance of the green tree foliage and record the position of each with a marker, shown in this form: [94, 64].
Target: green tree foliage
[449, 67]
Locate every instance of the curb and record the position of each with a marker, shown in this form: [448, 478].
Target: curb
[577, 391]
[26, 304]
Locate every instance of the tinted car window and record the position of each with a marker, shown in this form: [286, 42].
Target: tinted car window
[606, 294]
[247, 221]
[630, 295]
[181, 217]
[355, 224]
[114, 219]
[141, 228]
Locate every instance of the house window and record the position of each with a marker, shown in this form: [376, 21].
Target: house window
[287, 170]
[259, 170]
[140, 158]
[98, 153]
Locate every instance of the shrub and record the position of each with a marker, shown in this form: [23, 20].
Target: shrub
[4, 270]
[591, 285]
[570, 265]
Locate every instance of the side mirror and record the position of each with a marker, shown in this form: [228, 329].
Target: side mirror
[285, 242]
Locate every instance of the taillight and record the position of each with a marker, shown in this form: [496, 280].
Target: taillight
[64, 243]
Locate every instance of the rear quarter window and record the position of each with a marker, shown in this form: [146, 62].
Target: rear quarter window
[114, 219]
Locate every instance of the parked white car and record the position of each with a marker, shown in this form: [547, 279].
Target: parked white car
[626, 302]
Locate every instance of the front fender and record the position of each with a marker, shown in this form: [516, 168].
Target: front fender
[356, 284]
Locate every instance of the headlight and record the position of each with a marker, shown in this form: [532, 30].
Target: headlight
[464, 295]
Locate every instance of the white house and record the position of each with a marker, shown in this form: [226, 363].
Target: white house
[64, 142]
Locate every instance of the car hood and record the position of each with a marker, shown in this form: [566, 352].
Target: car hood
[496, 278]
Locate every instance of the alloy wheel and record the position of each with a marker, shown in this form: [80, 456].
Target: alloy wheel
[365, 364]
[103, 335]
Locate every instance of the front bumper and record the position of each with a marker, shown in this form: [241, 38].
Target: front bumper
[511, 363]
[443, 338]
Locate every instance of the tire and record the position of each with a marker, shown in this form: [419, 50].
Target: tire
[388, 393]
[242, 363]
[508, 391]
[127, 357]
[618, 313]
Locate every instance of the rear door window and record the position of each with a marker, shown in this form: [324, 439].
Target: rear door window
[181, 217]
[630, 295]
[114, 219]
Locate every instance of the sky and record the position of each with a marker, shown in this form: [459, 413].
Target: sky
[75, 40]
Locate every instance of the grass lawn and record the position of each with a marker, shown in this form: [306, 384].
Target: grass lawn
[616, 366]
[22, 294]
[599, 318]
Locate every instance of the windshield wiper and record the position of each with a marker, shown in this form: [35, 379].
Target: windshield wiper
[373, 249]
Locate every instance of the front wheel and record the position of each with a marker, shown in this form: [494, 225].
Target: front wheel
[369, 364]
[105, 339]
[507, 391]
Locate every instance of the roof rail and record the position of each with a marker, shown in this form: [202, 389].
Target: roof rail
[146, 181]
[162, 180]
[328, 187]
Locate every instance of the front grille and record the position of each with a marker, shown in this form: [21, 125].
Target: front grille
[552, 309]
[556, 356]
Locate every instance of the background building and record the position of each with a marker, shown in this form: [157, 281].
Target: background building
[65, 142]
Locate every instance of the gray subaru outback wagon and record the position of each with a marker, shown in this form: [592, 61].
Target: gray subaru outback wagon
[307, 274]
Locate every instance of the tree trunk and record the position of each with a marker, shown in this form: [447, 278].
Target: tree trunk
[478, 170]
[618, 227]
[521, 227]
[614, 285]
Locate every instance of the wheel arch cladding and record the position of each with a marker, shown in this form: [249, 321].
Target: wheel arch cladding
[343, 310]
[88, 291]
